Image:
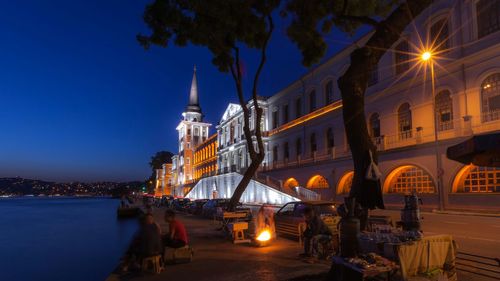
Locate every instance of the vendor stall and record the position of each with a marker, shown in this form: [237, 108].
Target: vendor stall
[399, 255]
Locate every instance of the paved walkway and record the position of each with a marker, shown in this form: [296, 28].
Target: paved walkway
[217, 259]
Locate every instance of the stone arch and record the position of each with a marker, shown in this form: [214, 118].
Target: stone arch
[345, 183]
[317, 181]
[476, 179]
[408, 178]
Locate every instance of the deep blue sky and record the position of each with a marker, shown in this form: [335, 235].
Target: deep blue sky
[81, 100]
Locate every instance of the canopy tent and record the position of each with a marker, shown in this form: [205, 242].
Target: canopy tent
[480, 150]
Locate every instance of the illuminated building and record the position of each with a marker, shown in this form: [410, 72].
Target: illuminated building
[164, 180]
[307, 142]
[205, 158]
[233, 153]
[192, 132]
[303, 127]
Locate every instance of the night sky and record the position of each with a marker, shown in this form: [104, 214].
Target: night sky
[81, 100]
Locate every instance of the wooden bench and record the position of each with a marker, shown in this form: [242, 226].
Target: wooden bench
[478, 265]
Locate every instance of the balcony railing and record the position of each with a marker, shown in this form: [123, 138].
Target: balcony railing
[490, 116]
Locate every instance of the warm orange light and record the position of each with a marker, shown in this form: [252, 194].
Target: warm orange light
[265, 235]
[426, 56]
[307, 117]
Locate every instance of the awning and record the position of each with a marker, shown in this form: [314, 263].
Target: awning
[481, 150]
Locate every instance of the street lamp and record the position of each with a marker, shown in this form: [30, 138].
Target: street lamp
[427, 57]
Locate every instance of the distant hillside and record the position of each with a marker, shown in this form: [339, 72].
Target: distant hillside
[21, 186]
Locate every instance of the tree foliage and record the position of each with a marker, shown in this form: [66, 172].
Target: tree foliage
[156, 162]
[313, 20]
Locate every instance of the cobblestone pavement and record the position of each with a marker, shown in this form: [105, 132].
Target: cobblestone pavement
[217, 259]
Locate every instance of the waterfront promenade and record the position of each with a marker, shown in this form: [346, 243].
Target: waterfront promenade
[217, 259]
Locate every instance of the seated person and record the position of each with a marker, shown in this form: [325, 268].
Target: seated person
[316, 232]
[146, 243]
[177, 235]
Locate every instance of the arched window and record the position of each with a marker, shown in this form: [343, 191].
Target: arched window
[286, 151]
[317, 181]
[404, 121]
[439, 35]
[275, 153]
[409, 178]
[298, 107]
[345, 183]
[314, 147]
[402, 57]
[488, 17]
[240, 159]
[330, 141]
[328, 92]
[444, 110]
[312, 101]
[374, 125]
[476, 179]
[490, 98]
[298, 147]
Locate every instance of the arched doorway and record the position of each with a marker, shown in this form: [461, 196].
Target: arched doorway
[477, 179]
[345, 183]
[291, 183]
[409, 178]
[317, 181]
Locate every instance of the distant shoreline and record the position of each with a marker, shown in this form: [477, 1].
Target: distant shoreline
[57, 196]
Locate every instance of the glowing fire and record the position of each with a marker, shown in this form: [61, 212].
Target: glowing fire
[265, 235]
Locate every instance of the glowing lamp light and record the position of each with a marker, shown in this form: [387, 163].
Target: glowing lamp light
[264, 236]
[426, 56]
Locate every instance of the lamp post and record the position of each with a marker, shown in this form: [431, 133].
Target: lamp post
[427, 57]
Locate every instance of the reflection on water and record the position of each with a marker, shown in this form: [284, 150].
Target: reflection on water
[61, 238]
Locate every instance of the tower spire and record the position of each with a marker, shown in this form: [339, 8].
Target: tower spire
[194, 105]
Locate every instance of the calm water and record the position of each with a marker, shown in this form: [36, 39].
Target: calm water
[61, 238]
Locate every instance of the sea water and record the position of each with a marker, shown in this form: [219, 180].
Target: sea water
[61, 238]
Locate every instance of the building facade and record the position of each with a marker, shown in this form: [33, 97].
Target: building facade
[303, 128]
[164, 180]
[205, 158]
[232, 155]
[192, 131]
[309, 146]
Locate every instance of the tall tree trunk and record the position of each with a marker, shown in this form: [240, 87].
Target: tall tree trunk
[257, 156]
[353, 85]
[242, 185]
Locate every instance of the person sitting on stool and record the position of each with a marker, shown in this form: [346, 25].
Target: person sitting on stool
[177, 235]
[316, 232]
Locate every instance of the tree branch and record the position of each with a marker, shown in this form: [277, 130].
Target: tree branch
[236, 73]
[258, 110]
[361, 19]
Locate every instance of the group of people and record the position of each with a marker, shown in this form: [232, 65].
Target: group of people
[150, 241]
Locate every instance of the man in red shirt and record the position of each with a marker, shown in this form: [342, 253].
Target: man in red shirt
[177, 235]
